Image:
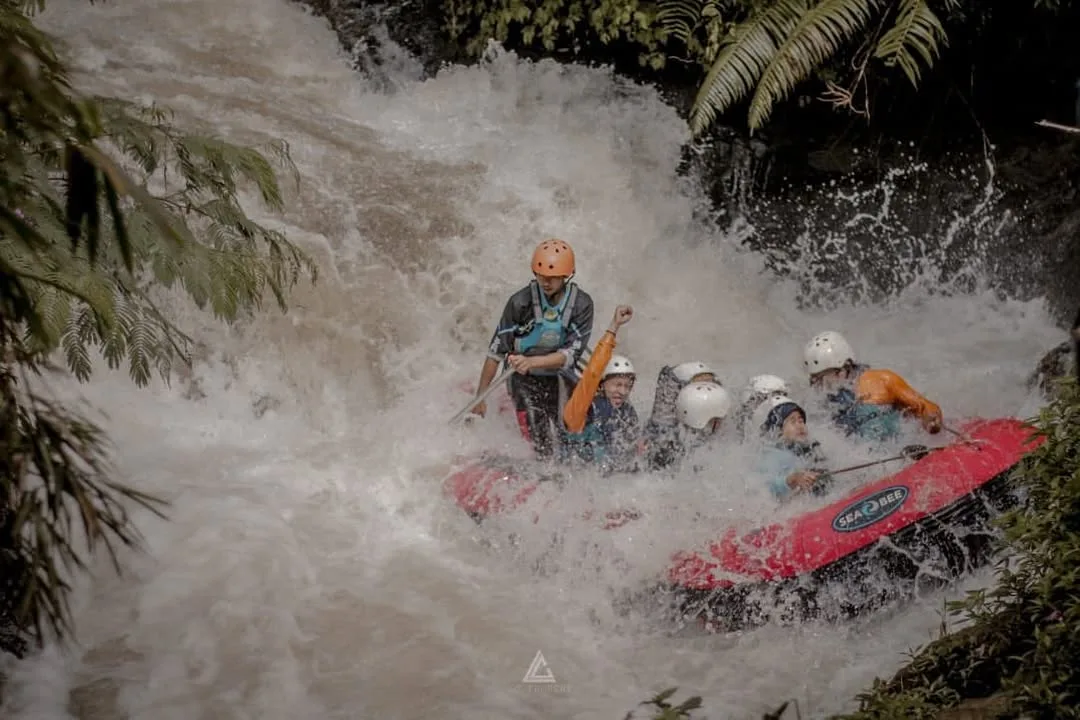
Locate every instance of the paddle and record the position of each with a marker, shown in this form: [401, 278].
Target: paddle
[495, 384]
[825, 479]
[579, 368]
[964, 437]
[911, 452]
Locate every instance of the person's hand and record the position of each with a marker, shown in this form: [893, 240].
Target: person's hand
[932, 423]
[520, 363]
[622, 315]
[479, 408]
[803, 480]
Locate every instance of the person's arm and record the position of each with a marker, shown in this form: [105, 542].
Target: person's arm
[498, 349]
[576, 410]
[487, 374]
[885, 387]
[579, 333]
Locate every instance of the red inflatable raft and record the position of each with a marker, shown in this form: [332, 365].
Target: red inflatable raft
[493, 484]
[926, 524]
[920, 527]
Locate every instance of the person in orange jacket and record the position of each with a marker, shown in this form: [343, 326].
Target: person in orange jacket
[866, 402]
[601, 424]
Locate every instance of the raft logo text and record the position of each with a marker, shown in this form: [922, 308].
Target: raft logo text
[871, 509]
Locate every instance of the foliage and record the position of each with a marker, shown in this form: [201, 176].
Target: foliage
[772, 47]
[85, 244]
[549, 24]
[758, 51]
[1021, 646]
[763, 49]
[667, 711]
[54, 471]
[100, 295]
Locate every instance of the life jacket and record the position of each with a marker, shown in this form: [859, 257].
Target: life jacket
[782, 457]
[589, 445]
[546, 331]
[864, 420]
[601, 439]
[809, 451]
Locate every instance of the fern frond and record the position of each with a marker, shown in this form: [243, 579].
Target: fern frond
[917, 33]
[680, 17]
[77, 336]
[746, 54]
[819, 33]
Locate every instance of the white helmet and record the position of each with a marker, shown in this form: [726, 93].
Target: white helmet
[618, 365]
[827, 351]
[687, 370]
[761, 415]
[764, 386]
[700, 402]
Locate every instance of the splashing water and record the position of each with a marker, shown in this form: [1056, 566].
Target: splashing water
[311, 567]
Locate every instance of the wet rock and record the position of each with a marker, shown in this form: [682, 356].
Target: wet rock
[1055, 365]
[364, 26]
[989, 708]
[1058, 363]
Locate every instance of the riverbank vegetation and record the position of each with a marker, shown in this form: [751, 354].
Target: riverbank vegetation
[755, 54]
[1015, 652]
[109, 215]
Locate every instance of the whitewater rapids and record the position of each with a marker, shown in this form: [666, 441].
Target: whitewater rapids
[310, 567]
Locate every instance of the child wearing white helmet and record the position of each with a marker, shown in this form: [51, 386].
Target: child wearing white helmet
[600, 423]
[865, 402]
[789, 454]
[759, 389]
[701, 409]
[694, 371]
[663, 420]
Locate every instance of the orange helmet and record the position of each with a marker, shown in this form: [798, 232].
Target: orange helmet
[553, 258]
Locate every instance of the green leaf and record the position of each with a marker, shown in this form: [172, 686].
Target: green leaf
[917, 34]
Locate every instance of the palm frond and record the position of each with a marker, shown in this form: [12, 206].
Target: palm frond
[819, 33]
[680, 18]
[746, 54]
[917, 33]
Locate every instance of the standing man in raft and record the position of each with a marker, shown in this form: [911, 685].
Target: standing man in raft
[543, 330]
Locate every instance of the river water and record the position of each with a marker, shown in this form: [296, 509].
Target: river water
[310, 567]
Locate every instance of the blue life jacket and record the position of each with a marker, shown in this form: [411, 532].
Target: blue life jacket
[780, 459]
[547, 330]
[604, 439]
[864, 420]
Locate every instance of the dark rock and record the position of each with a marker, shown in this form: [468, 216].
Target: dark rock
[988, 708]
[363, 28]
[1055, 365]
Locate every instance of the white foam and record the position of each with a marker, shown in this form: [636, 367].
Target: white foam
[310, 567]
